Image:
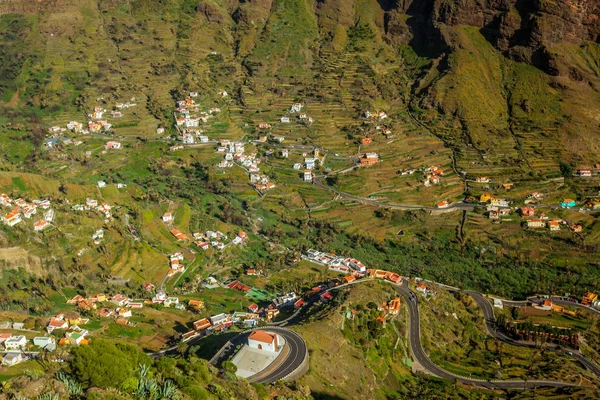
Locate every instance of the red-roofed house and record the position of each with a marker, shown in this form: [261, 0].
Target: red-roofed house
[56, 323]
[325, 297]
[202, 324]
[263, 340]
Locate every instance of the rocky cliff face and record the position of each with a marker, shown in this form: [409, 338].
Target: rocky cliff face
[523, 30]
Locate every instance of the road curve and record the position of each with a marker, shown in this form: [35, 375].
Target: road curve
[293, 360]
[490, 324]
[458, 206]
[414, 339]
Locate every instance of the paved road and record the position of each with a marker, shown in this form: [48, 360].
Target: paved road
[490, 324]
[293, 360]
[414, 338]
[456, 206]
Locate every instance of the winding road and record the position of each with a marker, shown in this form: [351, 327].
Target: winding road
[298, 349]
[414, 336]
[490, 324]
[456, 206]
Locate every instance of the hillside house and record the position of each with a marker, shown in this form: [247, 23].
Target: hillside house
[202, 325]
[28, 211]
[326, 297]
[594, 204]
[119, 300]
[554, 225]
[40, 225]
[5, 200]
[576, 228]
[15, 343]
[296, 107]
[369, 159]
[196, 305]
[567, 203]
[12, 358]
[179, 235]
[221, 320]
[499, 202]
[484, 198]
[307, 176]
[589, 298]
[285, 120]
[583, 172]
[528, 211]
[536, 223]
[12, 218]
[366, 140]
[45, 343]
[56, 323]
[113, 145]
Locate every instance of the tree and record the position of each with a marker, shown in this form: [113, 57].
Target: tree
[103, 364]
[566, 170]
[230, 367]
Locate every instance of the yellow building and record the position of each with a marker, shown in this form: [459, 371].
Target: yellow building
[485, 197]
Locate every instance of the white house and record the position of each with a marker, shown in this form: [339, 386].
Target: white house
[307, 176]
[219, 319]
[498, 303]
[15, 343]
[101, 184]
[168, 217]
[12, 358]
[263, 340]
[285, 120]
[47, 343]
[113, 145]
[310, 163]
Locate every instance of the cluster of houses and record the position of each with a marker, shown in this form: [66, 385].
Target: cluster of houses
[235, 152]
[310, 163]
[95, 124]
[591, 299]
[189, 117]
[381, 115]
[74, 335]
[354, 268]
[175, 265]
[296, 108]
[497, 208]
[118, 307]
[432, 175]
[22, 209]
[14, 346]
[94, 205]
[215, 239]
[340, 264]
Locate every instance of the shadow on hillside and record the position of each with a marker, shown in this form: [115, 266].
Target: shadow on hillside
[324, 396]
[427, 40]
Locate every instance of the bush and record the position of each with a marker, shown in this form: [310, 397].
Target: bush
[103, 364]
